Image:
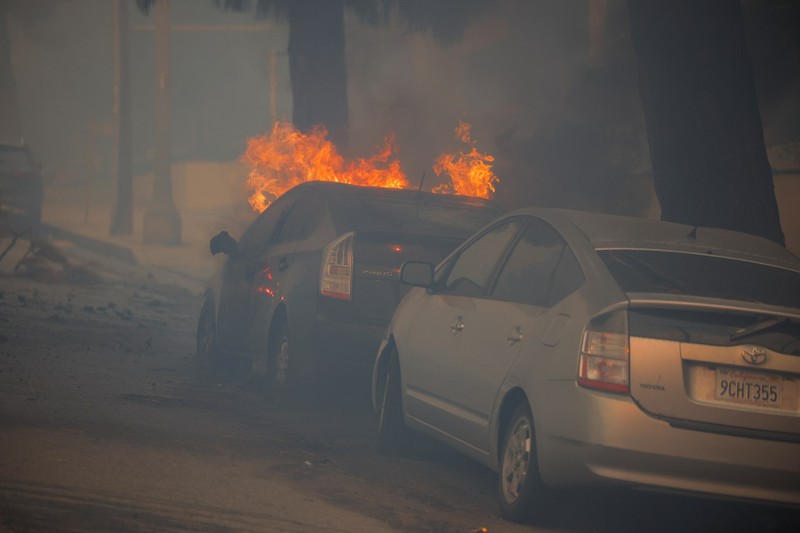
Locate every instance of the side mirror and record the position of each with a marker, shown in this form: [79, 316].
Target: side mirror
[417, 273]
[222, 242]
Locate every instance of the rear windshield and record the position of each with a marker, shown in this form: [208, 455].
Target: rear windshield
[14, 160]
[393, 251]
[702, 275]
[426, 217]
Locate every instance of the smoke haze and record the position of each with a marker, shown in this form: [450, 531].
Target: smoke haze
[552, 97]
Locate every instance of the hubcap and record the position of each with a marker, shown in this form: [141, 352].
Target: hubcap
[516, 460]
[382, 419]
[282, 362]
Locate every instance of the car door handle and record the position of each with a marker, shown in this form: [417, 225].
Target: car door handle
[515, 337]
[458, 326]
[283, 264]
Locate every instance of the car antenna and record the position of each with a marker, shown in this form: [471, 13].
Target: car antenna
[692, 234]
[419, 190]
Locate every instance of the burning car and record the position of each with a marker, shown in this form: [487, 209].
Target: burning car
[563, 348]
[313, 282]
[21, 189]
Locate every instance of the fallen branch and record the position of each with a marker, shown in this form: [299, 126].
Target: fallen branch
[14, 238]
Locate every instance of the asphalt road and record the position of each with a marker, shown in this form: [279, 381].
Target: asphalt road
[106, 426]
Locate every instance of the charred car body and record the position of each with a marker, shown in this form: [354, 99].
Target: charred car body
[312, 283]
[563, 348]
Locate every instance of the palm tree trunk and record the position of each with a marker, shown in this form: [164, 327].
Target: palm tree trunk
[317, 66]
[122, 221]
[162, 222]
[704, 127]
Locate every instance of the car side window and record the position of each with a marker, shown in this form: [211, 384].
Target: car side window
[528, 272]
[260, 232]
[301, 220]
[471, 270]
[567, 278]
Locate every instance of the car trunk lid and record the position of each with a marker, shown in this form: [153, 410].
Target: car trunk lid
[724, 367]
[378, 257]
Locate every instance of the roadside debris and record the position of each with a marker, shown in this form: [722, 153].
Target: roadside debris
[14, 238]
[45, 262]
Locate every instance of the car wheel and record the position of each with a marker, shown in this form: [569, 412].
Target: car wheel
[278, 362]
[522, 493]
[206, 352]
[394, 438]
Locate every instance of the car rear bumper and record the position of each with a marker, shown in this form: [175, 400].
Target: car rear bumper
[606, 438]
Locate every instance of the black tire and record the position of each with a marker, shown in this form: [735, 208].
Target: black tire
[394, 438]
[523, 496]
[278, 361]
[206, 353]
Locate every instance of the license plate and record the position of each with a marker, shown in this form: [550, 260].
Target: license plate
[740, 386]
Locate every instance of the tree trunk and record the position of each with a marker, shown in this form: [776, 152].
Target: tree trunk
[706, 140]
[317, 66]
[10, 125]
[122, 221]
[162, 222]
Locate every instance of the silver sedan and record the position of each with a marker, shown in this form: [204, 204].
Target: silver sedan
[569, 349]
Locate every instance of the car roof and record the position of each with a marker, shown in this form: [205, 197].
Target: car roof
[406, 211]
[333, 190]
[606, 231]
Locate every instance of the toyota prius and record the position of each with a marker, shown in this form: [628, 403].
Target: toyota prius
[567, 349]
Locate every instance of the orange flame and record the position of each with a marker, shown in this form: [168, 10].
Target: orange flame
[470, 172]
[287, 157]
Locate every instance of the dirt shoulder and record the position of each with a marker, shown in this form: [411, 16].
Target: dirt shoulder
[105, 425]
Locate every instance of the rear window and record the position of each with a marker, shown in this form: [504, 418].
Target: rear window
[702, 275]
[14, 160]
[716, 328]
[394, 251]
[431, 217]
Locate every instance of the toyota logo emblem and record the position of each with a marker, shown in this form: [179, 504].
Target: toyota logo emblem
[754, 355]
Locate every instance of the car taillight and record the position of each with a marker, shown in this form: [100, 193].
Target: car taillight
[604, 353]
[336, 274]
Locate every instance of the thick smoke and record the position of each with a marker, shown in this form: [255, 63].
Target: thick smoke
[566, 129]
[560, 112]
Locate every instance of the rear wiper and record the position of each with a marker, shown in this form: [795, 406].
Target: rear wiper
[758, 327]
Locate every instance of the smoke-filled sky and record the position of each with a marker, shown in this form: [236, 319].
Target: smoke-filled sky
[63, 62]
[564, 123]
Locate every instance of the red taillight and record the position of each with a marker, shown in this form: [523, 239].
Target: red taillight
[604, 354]
[336, 273]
